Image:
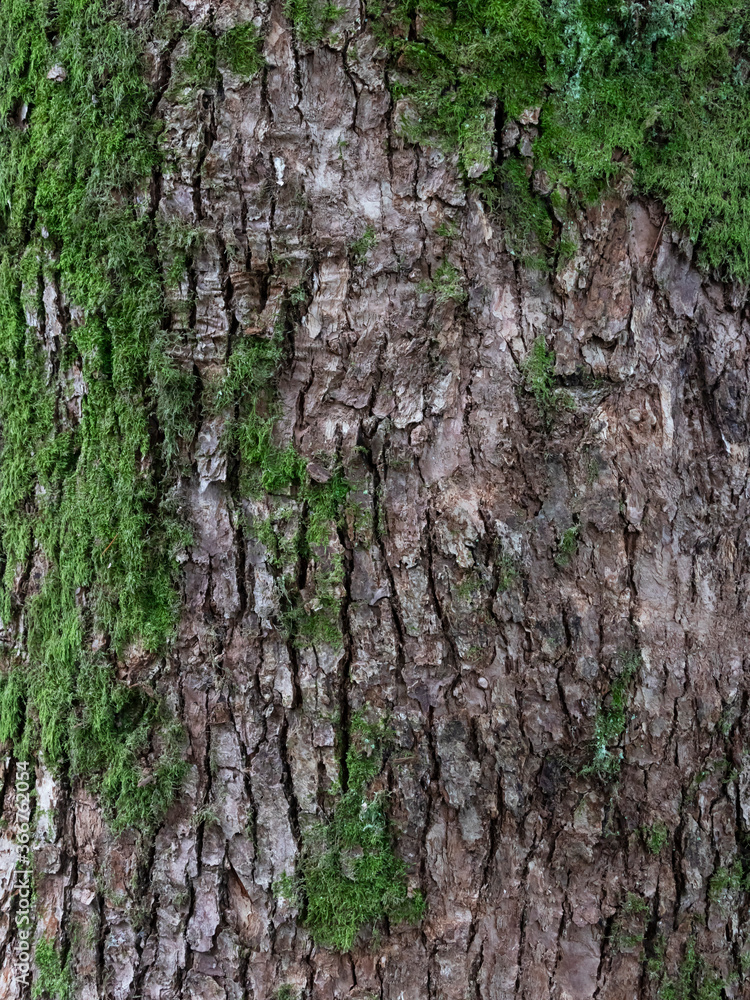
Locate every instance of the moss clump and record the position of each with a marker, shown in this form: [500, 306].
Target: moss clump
[507, 570]
[609, 725]
[312, 19]
[656, 93]
[629, 930]
[320, 623]
[538, 372]
[53, 980]
[360, 247]
[87, 498]
[447, 230]
[348, 875]
[528, 231]
[238, 49]
[567, 546]
[694, 979]
[655, 837]
[299, 529]
[446, 284]
[726, 883]
[90, 499]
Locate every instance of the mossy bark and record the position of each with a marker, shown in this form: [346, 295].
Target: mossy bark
[545, 606]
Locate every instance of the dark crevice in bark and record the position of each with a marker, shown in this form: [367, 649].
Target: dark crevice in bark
[288, 781]
[297, 77]
[206, 799]
[66, 827]
[150, 926]
[379, 531]
[605, 959]
[523, 892]
[355, 91]
[100, 942]
[164, 77]
[453, 653]
[9, 773]
[299, 424]
[650, 938]
[433, 798]
[345, 682]
[564, 920]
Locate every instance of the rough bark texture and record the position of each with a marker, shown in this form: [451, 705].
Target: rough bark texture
[490, 659]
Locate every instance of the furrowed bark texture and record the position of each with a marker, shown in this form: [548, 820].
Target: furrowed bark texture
[491, 676]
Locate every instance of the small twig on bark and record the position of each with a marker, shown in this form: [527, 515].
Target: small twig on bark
[111, 544]
[658, 240]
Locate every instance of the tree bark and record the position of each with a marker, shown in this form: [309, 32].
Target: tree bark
[490, 650]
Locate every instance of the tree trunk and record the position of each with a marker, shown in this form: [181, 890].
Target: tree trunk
[540, 576]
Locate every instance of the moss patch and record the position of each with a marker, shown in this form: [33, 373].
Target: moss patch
[655, 837]
[54, 980]
[87, 498]
[609, 724]
[360, 247]
[540, 381]
[348, 875]
[237, 49]
[694, 979]
[297, 533]
[657, 91]
[312, 19]
[567, 546]
[629, 929]
[446, 284]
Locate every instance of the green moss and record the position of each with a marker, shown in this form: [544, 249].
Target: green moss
[527, 228]
[635, 905]
[82, 496]
[566, 251]
[296, 535]
[238, 49]
[348, 875]
[320, 624]
[655, 93]
[726, 883]
[655, 836]
[609, 725]
[299, 531]
[694, 980]
[447, 230]
[446, 284]
[538, 372]
[360, 247]
[198, 65]
[507, 572]
[629, 930]
[172, 397]
[53, 980]
[91, 500]
[312, 19]
[567, 546]
[468, 587]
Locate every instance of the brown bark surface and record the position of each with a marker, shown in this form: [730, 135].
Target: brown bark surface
[492, 684]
